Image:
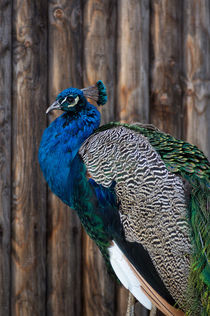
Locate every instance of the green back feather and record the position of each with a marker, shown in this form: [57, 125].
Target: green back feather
[188, 161]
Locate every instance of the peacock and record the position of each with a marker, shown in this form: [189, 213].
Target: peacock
[141, 195]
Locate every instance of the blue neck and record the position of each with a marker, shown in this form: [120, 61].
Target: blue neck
[60, 144]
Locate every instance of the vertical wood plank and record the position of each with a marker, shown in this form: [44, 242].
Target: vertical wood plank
[166, 65]
[29, 189]
[133, 61]
[121, 300]
[114, 45]
[166, 90]
[132, 75]
[197, 73]
[98, 288]
[64, 228]
[5, 154]
[99, 26]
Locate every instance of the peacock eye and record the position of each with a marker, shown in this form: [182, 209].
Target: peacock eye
[70, 99]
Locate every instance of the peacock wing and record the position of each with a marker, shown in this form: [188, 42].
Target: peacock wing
[152, 202]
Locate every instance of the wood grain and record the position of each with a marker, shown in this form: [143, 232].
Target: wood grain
[197, 73]
[153, 57]
[64, 260]
[166, 58]
[5, 154]
[29, 190]
[99, 26]
[64, 228]
[98, 288]
[132, 74]
[133, 61]
[121, 300]
[167, 66]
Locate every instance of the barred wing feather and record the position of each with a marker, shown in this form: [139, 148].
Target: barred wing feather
[152, 201]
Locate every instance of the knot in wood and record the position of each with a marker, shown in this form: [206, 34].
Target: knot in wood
[190, 92]
[164, 98]
[172, 61]
[27, 44]
[58, 13]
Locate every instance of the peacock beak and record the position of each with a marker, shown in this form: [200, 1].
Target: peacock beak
[55, 106]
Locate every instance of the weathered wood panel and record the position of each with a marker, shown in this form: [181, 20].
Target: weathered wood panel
[99, 26]
[98, 288]
[167, 65]
[5, 154]
[155, 51]
[132, 72]
[64, 229]
[121, 300]
[197, 73]
[99, 32]
[133, 61]
[166, 88]
[29, 190]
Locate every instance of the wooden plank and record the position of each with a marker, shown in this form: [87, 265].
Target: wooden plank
[133, 61]
[29, 190]
[121, 300]
[140, 310]
[132, 75]
[64, 229]
[197, 73]
[99, 63]
[166, 69]
[99, 49]
[64, 260]
[5, 154]
[98, 287]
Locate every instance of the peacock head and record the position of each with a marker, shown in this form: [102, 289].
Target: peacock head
[71, 99]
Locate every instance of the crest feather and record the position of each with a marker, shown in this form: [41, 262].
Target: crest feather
[97, 93]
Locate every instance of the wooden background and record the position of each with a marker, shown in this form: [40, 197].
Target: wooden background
[154, 57]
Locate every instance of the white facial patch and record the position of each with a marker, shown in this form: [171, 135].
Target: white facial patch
[74, 103]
